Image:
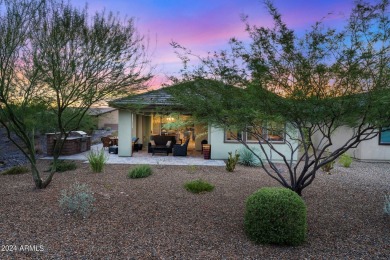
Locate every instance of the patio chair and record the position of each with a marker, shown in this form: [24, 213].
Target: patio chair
[180, 150]
[134, 141]
[106, 141]
[114, 140]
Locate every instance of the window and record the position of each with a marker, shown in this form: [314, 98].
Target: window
[254, 134]
[384, 136]
[232, 136]
[273, 132]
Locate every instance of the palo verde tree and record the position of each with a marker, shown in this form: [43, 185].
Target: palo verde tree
[19, 91]
[58, 57]
[297, 89]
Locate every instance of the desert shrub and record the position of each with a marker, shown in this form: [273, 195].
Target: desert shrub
[247, 158]
[328, 166]
[97, 160]
[386, 207]
[16, 170]
[345, 160]
[232, 161]
[198, 186]
[276, 216]
[141, 171]
[63, 166]
[78, 199]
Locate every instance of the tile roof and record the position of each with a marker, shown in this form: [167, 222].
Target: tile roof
[151, 99]
[96, 111]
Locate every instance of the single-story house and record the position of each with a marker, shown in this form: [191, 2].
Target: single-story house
[107, 117]
[147, 114]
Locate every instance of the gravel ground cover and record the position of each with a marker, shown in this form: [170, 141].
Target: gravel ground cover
[156, 218]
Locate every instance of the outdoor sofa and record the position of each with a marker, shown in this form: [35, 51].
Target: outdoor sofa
[162, 143]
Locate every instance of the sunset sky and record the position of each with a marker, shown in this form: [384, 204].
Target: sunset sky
[207, 25]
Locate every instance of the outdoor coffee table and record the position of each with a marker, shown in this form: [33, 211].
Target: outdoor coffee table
[113, 149]
[160, 149]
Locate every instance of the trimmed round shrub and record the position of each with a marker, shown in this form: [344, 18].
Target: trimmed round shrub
[276, 216]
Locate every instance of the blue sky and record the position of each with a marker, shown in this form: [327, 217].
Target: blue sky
[207, 25]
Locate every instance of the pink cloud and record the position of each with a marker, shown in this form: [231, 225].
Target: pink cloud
[207, 26]
[206, 32]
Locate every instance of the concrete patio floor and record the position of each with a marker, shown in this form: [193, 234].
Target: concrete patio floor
[142, 157]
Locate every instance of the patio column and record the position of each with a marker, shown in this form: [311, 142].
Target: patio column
[125, 125]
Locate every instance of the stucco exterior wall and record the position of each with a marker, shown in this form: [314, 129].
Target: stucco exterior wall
[109, 119]
[220, 149]
[371, 150]
[368, 150]
[125, 130]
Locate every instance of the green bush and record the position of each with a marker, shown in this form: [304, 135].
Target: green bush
[328, 166]
[345, 160]
[247, 158]
[198, 186]
[77, 200]
[16, 170]
[232, 161]
[97, 160]
[276, 216]
[63, 166]
[141, 171]
[386, 208]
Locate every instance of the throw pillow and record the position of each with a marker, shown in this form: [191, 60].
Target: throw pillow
[152, 143]
[169, 143]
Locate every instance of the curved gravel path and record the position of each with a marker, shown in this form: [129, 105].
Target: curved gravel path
[156, 218]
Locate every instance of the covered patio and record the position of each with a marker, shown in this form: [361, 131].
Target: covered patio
[155, 115]
[142, 157]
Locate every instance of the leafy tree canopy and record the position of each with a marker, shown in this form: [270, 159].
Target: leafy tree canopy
[55, 62]
[315, 84]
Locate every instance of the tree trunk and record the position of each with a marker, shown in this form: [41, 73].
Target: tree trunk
[297, 188]
[299, 191]
[36, 176]
[48, 179]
